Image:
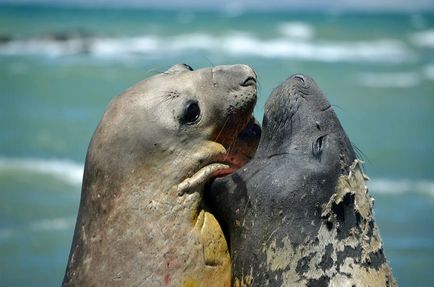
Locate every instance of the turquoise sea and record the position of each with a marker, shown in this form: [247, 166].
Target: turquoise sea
[59, 68]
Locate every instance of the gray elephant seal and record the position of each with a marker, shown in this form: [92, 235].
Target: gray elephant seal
[142, 220]
[298, 214]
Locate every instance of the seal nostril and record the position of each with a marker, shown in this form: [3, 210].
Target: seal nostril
[250, 81]
[188, 67]
[299, 77]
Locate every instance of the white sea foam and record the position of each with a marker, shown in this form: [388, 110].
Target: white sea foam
[423, 38]
[297, 30]
[66, 170]
[389, 80]
[389, 186]
[43, 47]
[235, 43]
[110, 47]
[46, 224]
[52, 224]
[386, 51]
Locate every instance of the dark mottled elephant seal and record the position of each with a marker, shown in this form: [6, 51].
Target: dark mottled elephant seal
[298, 214]
[142, 220]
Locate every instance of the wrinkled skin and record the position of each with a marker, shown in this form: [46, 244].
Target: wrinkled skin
[142, 220]
[298, 213]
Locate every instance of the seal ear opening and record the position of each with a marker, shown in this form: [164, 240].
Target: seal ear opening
[318, 146]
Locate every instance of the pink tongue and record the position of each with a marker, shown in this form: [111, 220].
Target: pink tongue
[224, 172]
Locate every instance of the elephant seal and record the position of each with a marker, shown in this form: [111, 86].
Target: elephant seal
[142, 220]
[298, 214]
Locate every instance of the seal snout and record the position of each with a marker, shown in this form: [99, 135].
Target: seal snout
[235, 75]
[305, 87]
[249, 77]
[250, 81]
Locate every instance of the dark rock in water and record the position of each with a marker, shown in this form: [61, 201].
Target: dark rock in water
[63, 36]
[60, 36]
[299, 213]
[5, 39]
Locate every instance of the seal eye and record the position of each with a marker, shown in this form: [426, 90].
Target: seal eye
[317, 146]
[191, 113]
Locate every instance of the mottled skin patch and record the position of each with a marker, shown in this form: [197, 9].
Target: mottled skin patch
[351, 269]
[142, 220]
[298, 214]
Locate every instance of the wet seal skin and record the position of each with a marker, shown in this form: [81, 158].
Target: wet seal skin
[142, 220]
[299, 213]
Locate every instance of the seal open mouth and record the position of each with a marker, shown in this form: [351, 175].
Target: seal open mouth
[213, 230]
[235, 156]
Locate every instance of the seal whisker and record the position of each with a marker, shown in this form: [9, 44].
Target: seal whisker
[209, 61]
[336, 106]
[258, 86]
[229, 149]
[153, 72]
[360, 154]
[221, 130]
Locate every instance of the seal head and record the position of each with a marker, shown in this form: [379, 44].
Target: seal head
[142, 220]
[298, 213]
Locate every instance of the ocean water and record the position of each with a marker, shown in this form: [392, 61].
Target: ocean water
[59, 68]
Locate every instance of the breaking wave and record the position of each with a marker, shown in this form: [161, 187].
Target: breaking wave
[66, 170]
[423, 38]
[52, 224]
[401, 186]
[41, 225]
[71, 173]
[389, 80]
[406, 79]
[297, 30]
[294, 44]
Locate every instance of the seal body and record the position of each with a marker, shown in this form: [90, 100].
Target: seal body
[142, 220]
[298, 214]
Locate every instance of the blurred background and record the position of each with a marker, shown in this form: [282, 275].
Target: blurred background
[62, 61]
